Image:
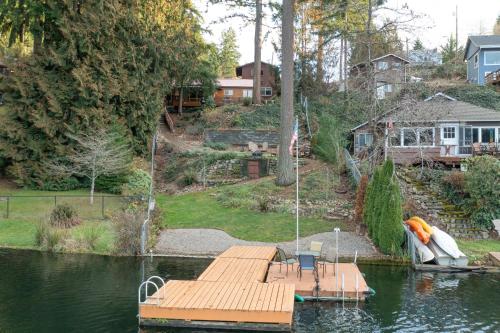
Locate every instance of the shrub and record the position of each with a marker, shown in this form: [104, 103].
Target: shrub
[247, 101]
[138, 183]
[64, 216]
[89, 237]
[127, 229]
[111, 184]
[382, 210]
[65, 184]
[329, 141]
[48, 237]
[216, 145]
[41, 230]
[189, 177]
[481, 183]
[263, 204]
[360, 199]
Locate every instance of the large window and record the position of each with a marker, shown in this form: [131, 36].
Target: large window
[228, 92]
[449, 133]
[247, 93]
[492, 57]
[364, 139]
[487, 135]
[266, 91]
[426, 136]
[409, 137]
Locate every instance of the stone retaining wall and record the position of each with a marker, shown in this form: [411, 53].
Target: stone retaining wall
[241, 137]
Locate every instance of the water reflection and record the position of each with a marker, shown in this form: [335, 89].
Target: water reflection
[84, 293]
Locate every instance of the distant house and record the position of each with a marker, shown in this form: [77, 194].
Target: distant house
[482, 54]
[268, 80]
[389, 74]
[425, 57]
[440, 128]
[232, 91]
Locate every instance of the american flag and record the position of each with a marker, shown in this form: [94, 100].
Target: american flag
[295, 136]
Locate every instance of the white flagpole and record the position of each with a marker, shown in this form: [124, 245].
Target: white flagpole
[297, 181]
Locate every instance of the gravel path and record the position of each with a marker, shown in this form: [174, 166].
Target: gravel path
[211, 242]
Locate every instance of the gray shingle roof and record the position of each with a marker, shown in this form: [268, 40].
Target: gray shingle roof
[440, 108]
[474, 43]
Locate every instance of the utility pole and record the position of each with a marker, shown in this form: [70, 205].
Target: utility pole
[456, 33]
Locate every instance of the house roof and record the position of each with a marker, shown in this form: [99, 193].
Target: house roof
[249, 63]
[382, 57]
[235, 83]
[439, 108]
[474, 43]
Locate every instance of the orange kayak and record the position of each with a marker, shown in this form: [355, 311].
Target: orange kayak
[416, 227]
[427, 228]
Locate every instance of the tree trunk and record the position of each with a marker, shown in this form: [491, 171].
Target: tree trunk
[319, 63]
[285, 166]
[181, 99]
[256, 96]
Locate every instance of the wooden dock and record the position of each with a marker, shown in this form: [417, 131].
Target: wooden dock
[230, 293]
[243, 289]
[331, 287]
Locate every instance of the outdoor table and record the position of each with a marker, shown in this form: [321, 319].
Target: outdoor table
[307, 252]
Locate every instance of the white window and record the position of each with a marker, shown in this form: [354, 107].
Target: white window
[382, 65]
[410, 137]
[364, 139]
[388, 87]
[476, 60]
[413, 137]
[448, 132]
[492, 57]
[266, 91]
[228, 92]
[247, 93]
[426, 136]
[380, 92]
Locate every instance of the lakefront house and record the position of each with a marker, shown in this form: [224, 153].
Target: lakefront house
[440, 129]
[482, 54]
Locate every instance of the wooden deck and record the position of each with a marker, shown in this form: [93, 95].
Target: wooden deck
[231, 292]
[330, 287]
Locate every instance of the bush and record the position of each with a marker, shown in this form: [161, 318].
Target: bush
[127, 229]
[65, 184]
[382, 210]
[111, 184]
[189, 177]
[453, 187]
[247, 101]
[360, 199]
[138, 183]
[216, 145]
[64, 216]
[41, 231]
[482, 180]
[328, 142]
[47, 237]
[90, 236]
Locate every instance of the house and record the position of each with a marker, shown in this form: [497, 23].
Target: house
[425, 57]
[440, 128]
[232, 91]
[482, 54]
[389, 73]
[268, 80]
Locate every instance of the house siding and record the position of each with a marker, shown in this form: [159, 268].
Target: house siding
[476, 75]
[268, 77]
[237, 96]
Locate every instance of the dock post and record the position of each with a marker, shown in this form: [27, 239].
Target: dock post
[343, 292]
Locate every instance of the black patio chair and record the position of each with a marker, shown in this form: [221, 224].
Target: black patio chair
[283, 260]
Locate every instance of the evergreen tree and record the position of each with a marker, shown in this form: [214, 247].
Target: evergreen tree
[229, 56]
[496, 27]
[418, 45]
[449, 51]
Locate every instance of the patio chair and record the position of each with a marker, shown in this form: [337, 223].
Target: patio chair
[492, 147]
[318, 247]
[476, 149]
[283, 260]
[307, 262]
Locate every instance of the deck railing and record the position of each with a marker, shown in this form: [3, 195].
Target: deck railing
[493, 77]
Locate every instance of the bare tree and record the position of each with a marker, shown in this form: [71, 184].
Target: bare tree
[285, 167]
[99, 153]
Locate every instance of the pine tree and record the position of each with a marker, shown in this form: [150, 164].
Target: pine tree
[418, 45]
[229, 56]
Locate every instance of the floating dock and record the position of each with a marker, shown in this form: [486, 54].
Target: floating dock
[243, 289]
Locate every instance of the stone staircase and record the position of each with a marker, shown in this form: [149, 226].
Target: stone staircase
[437, 210]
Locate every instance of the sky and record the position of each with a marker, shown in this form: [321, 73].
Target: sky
[474, 17]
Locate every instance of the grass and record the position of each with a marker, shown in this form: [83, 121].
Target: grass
[18, 230]
[478, 249]
[202, 210]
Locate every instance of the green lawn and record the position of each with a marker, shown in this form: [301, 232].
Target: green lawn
[18, 230]
[478, 249]
[202, 210]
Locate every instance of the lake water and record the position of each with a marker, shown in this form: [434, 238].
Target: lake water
[42, 292]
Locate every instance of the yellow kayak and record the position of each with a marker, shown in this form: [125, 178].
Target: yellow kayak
[427, 228]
